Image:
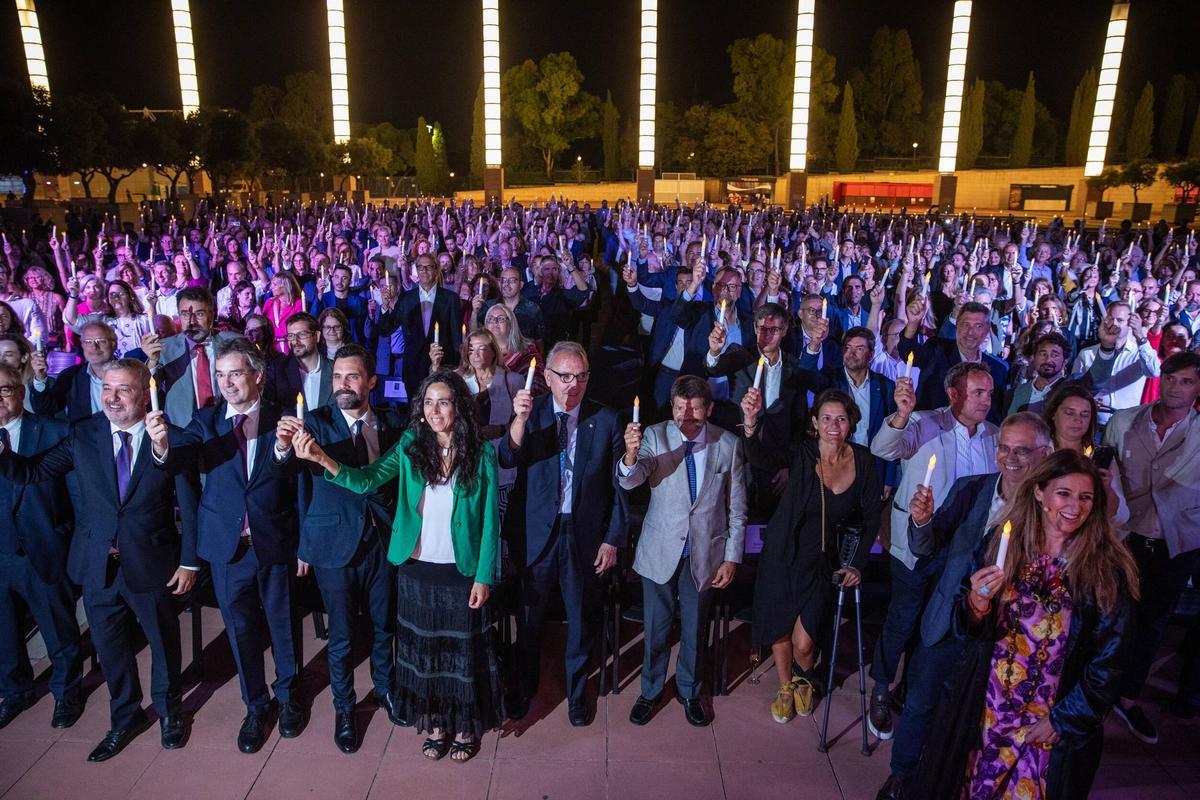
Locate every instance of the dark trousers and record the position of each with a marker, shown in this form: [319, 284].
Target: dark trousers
[111, 612]
[53, 609]
[911, 589]
[930, 668]
[253, 596]
[1162, 580]
[560, 567]
[369, 581]
[658, 614]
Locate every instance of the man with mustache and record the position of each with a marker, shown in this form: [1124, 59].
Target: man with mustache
[352, 570]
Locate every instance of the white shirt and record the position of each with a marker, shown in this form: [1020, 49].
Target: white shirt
[95, 388]
[891, 367]
[426, 299]
[312, 387]
[972, 456]
[225, 297]
[862, 398]
[1120, 376]
[772, 380]
[14, 433]
[137, 432]
[698, 455]
[435, 546]
[368, 431]
[994, 509]
[567, 494]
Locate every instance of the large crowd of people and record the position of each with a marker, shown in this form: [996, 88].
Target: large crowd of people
[413, 405]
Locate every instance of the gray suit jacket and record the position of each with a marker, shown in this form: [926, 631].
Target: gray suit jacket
[715, 523]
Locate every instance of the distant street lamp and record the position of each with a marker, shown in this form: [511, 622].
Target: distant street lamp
[914, 155]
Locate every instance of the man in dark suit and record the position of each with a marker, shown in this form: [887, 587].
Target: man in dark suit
[305, 370]
[75, 390]
[566, 515]
[786, 415]
[352, 302]
[949, 538]
[814, 334]
[127, 553]
[352, 571]
[699, 317]
[937, 355]
[35, 533]
[664, 358]
[246, 528]
[422, 312]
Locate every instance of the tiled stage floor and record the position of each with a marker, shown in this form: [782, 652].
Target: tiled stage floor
[743, 754]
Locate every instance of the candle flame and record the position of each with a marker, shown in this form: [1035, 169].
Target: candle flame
[932, 461]
[1007, 528]
[910, 358]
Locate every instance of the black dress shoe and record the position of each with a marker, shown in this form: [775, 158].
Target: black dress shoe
[115, 741]
[892, 789]
[693, 711]
[174, 733]
[66, 713]
[345, 732]
[642, 711]
[579, 713]
[292, 719]
[10, 708]
[252, 733]
[387, 701]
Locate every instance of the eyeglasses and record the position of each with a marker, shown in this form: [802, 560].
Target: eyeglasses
[332, 328]
[570, 377]
[295, 337]
[236, 374]
[771, 330]
[97, 342]
[1021, 453]
[509, 281]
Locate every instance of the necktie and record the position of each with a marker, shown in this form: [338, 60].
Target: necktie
[690, 461]
[239, 434]
[4, 440]
[124, 463]
[204, 391]
[362, 456]
[563, 442]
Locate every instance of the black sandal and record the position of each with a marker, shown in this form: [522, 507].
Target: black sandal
[469, 749]
[435, 749]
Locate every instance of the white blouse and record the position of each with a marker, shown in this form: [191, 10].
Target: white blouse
[437, 504]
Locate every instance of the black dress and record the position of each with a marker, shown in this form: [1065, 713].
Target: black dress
[794, 572]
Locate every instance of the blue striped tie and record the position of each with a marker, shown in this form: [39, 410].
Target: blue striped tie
[690, 461]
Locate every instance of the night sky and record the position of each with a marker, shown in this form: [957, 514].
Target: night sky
[409, 57]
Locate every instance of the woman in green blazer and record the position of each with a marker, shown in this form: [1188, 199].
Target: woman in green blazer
[445, 542]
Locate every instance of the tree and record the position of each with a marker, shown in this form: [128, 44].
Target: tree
[548, 102]
[307, 103]
[847, 136]
[398, 142]
[1141, 127]
[1193, 150]
[732, 144]
[1137, 175]
[291, 149]
[441, 166]
[889, 94]
[424, 159]
[970, 137]
[1022, 146]
[116, 153]
[361, 156]
[25, 145]
[1080, 126]
[1110, 178]
[229, 148]
[1171, 125]
[610, 135]
[478, 138]
[1185, 175]
[77, 129]
[175, 147]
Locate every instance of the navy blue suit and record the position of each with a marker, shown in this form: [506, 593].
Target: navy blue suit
[285, 379]
[935, 358]
[133, 586]
[697, 318]
[406, 316]
[351, 571]
[949, 541]
[251, 579]
[662, 333]
[36, 522]
[559, 549]
[70, 392]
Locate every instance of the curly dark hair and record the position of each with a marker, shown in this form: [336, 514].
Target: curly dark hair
[424, 451]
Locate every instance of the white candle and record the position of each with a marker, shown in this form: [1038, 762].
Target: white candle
[929, 472]
[637, 409]
[153, 394]
[300, 406]
[529, 375]
[722, 320]
[437, 332]
[824, 307]
[1005, 535]
[758, 373]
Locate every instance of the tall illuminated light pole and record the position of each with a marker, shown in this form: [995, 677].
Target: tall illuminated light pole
[338, 72]
[946, 184]
[1106, 90]
[647, 89]
[35, 54]
[493, 164]
[801, 88]
[185, 55]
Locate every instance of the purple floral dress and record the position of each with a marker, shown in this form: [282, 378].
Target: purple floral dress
[1027, 662]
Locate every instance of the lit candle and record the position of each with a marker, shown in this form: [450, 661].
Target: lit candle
[925, 288]
[703, 245]
[1005, 535]
[908, 365]
[824, 307]
[37, 340]
[722, 320]
[929, 472]
[1087, 451]
[758, 373]
[300, 406]
[153, 394]
[529, 375]
[637, 411]
[464, 331]
[437, 332]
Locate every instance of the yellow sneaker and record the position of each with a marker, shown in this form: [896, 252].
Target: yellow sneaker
[784, 707]
[802, 696]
